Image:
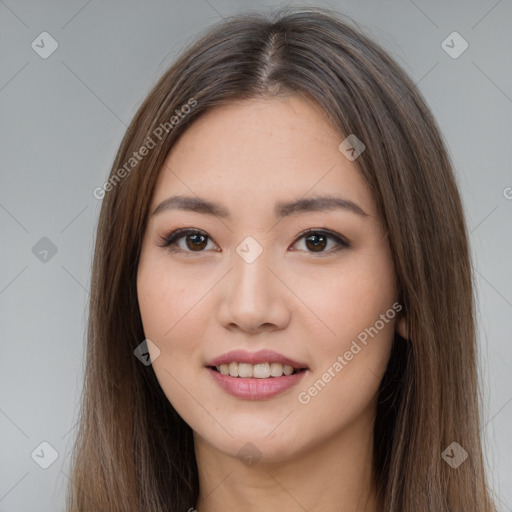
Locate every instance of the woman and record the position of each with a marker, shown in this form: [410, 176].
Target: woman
[281, 309]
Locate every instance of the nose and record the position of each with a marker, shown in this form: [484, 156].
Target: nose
[253, 299]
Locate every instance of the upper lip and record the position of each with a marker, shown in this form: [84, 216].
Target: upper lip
[262, 356]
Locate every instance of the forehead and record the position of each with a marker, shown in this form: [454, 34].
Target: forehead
[256, 152]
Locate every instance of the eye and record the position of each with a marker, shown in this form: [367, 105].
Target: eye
[317, 239]
[196, 240]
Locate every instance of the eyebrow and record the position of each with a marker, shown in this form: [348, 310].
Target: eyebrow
[282, 209]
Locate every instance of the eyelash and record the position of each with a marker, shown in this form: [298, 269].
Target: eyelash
[170, 240]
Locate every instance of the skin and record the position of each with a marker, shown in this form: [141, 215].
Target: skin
[307, 305]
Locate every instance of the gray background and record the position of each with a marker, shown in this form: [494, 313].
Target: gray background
[62, 119]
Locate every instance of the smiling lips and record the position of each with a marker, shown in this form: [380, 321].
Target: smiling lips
[257, 375]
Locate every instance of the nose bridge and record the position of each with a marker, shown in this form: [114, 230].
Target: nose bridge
[252, 298]
[251, 278]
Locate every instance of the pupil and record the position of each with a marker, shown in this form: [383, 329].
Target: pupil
[316, 247]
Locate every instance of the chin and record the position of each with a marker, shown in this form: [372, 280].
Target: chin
[278, 450]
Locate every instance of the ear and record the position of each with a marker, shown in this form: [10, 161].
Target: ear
[401, 326]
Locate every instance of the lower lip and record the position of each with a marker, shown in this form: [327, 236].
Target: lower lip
[255, 389]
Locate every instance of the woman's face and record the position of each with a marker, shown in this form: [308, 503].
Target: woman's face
[249, 279]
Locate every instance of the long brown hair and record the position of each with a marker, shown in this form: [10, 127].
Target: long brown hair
[133, 452]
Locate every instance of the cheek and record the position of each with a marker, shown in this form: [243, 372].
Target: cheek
[351, 354]
[170, 308]
[169, 305]
[349, 364]
[349, 300]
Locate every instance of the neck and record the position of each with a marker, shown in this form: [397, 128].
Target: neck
[334, 476]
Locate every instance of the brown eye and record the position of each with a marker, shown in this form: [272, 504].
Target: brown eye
[195, 241]
[316, 242]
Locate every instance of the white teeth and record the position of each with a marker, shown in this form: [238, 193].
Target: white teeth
[233, 369]
[245, 370]
[276, 369]
[261, 371]
[287, 369]
[257, 371]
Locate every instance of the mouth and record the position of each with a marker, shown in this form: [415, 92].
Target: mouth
[256, 375]
[263, 370]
